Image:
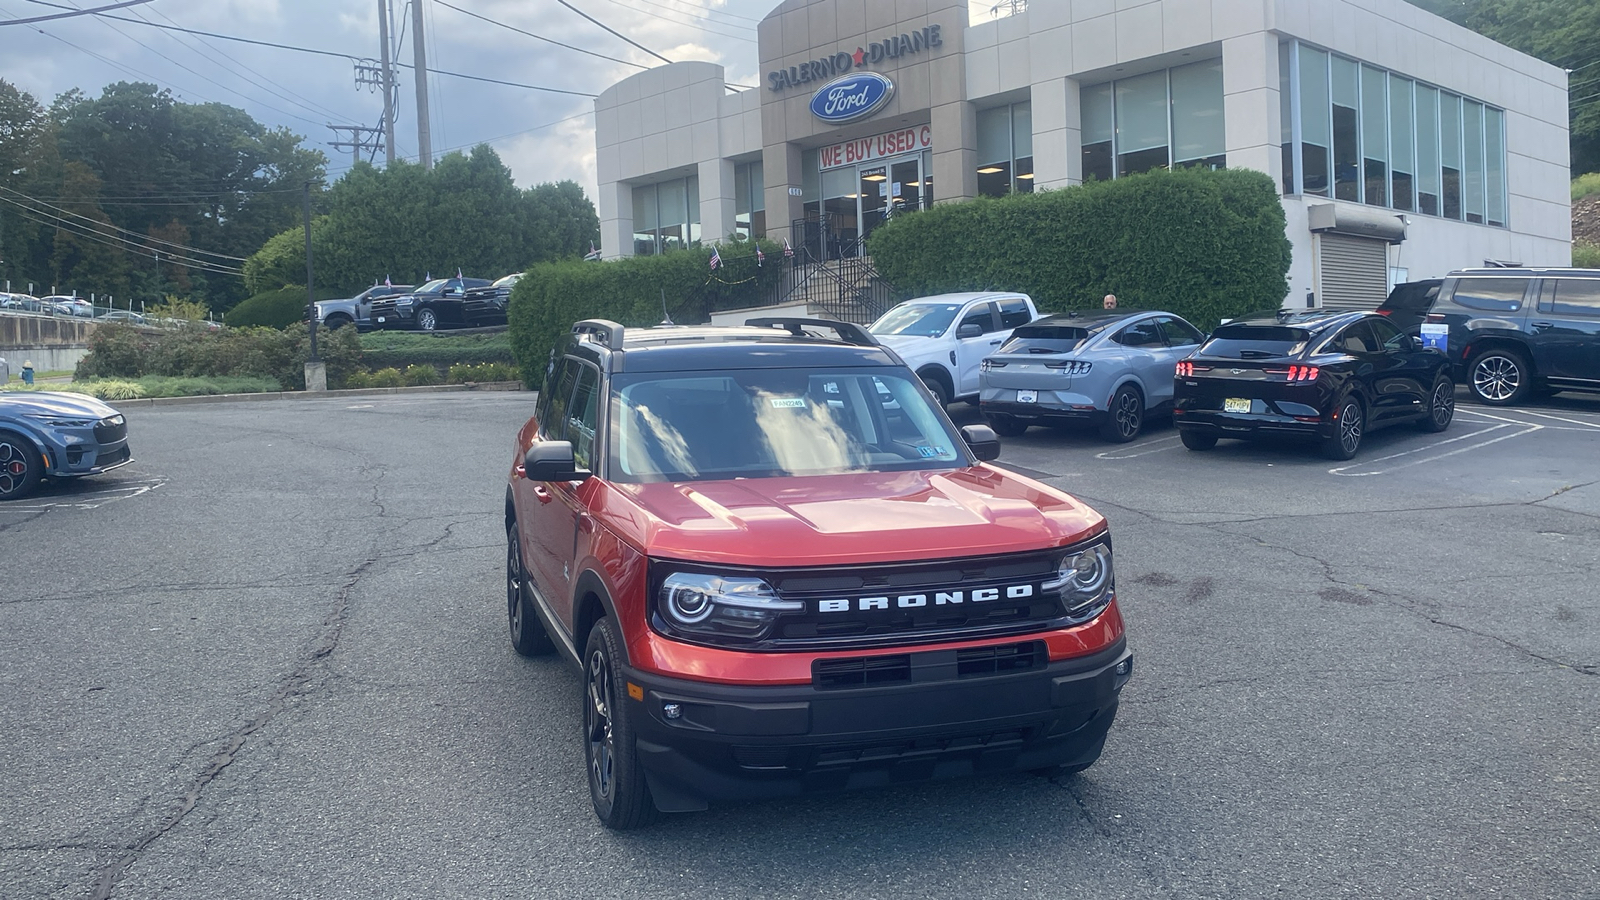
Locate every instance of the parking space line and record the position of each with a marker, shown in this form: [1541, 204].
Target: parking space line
[88, 499]
[1527, 428]
[1129, 453]
[1561, 419]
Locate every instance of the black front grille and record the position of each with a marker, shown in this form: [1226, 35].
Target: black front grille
[927, 666]
[109, 431]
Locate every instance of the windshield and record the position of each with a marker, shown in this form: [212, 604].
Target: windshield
[1048, 338]
[434, 286]
[1255, 341]
[921, 319]
[508, 281]
[765, 423]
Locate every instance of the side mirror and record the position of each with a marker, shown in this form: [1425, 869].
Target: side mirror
[969, 330]
[552, 461]
[983, 442]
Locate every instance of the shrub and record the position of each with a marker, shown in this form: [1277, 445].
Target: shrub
[420, 375]
[633, 291]
[178, 309]
[276, 309]
[1584, 185]
[385, 378]
[483, 372]
[117, 351]
[108, 390]
[1204, 244]
[1586, 256]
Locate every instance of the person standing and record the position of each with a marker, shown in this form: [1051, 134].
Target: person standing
[27, 373]
[1110, 302]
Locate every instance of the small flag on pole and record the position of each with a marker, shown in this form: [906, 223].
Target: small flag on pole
[594, 253]
[458, 274]
[788, 251]
[760, 257]
[387, 282]
[716, 259]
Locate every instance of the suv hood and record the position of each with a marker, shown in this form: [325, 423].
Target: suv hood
[915, 346]
[863, 517]
[53, 403]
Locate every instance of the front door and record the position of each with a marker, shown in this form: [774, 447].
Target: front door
[888, 188]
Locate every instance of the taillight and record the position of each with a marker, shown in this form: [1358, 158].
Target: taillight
[1303, 373]
[1383, 312]
[1185, 369]
[1072, 366]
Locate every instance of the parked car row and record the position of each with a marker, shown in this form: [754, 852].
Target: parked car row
[440, 303]
[55, 305]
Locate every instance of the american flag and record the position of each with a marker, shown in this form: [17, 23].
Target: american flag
[788, 251]
[760, 257]
[716, 259]
[387, 282]
[594, 253]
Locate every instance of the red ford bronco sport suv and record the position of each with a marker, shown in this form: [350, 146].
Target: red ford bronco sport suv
[781, 569]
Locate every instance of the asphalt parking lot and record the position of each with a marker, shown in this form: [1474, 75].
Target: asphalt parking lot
[268, 659]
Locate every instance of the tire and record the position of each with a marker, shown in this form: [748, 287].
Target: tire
[616, 783]
[1126, 415]
[1007, 426]
[528, 636]
[20, 466]
[427, 319]
[1195, 440]
[335, 322]
[934, 379]
[1499, 377]
[1349, 428]
[1441, 406]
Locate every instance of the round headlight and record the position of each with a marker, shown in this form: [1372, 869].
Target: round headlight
[1085, 572]
[686, 603]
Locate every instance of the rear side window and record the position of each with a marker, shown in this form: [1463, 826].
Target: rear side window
[1014, 313]
[1255, 341]
[1490, 294]
[1139, 334]
[1577, 297]
[1178, 333]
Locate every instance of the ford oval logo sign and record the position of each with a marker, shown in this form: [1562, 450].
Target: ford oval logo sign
[851, 97]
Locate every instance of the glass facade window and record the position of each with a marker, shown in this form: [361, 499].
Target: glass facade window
[749, 200]
[666, 216]
[1005, 150]
[1286, 86]
[1359, 133]
[1153, 121]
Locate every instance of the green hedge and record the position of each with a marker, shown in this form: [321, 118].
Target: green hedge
[1205, 244]
[441, 350]
[122, 352]
[276, 309]
[551, 296]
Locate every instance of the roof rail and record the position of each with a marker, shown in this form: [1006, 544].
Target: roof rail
[609, 332]
[849, 332]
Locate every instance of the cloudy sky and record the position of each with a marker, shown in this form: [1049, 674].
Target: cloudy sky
[541, 135]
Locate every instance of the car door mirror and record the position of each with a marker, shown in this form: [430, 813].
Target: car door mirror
[983, 442]
[969, 330]
[552, 461]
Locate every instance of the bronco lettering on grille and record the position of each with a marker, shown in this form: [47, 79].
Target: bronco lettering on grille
[915, 601]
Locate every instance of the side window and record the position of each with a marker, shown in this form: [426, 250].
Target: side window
[1014, 313]
[1358, 338]
[1577, 297]
[553, 424]
[979, 315]
[1178, 332]
[583, 415]
[1139, 334]
[1490, 294]
[1389, 337]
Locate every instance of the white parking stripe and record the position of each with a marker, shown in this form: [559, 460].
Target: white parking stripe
[86, 500]
[1159, 445]
[1527, 428]
[1561, 419]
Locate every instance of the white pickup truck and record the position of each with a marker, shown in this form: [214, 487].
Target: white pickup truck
[944, 338]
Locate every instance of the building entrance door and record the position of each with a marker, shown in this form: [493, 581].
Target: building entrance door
[887, 188]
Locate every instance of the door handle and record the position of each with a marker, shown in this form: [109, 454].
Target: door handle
[543, 493]
[1544, 324]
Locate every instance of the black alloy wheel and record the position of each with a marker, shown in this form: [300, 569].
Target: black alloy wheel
[1007, 426]
[616, 783]
[1196, 440]
[20, 466]
[1126, 415]
[334, 322]
[1349, 427]
[528, 636]
[1499, 377]
[1441, 405]
[427, 319]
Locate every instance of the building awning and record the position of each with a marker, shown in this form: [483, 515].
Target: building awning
[1356, 221]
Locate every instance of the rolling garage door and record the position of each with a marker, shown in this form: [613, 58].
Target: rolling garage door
[1354, 271]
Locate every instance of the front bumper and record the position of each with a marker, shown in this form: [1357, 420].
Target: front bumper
[392, 317]
[741, 743]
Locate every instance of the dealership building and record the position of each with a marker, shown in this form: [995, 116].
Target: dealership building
[1404, 145]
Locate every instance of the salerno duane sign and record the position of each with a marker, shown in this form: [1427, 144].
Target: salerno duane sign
[841, 63]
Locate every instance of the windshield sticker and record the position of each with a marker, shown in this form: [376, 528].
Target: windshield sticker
[930, 452]
[788, 403]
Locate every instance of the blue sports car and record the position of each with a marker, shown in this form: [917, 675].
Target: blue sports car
[44, 434]
[1110, 369]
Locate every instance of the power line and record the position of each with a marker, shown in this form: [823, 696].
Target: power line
[541, 37]
[123, 244]
[613, 31]
[98, 225]
[74, 13]
[681, 23]
[413, 157]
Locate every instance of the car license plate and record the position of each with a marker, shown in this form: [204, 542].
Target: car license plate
[1027, 396]
[1236, 405]
[382, 319]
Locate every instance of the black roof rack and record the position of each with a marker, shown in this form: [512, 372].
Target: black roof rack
[609, 332]
[848, 332]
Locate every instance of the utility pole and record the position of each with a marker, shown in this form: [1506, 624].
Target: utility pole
[359, 140]
[388, 82]
[316, 369]
[419, 49]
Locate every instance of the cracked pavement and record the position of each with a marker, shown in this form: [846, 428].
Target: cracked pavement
[285, 674]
